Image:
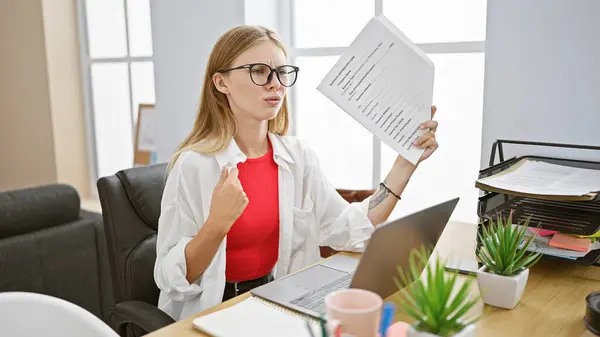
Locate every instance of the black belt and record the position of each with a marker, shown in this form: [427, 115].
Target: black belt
[233, 289]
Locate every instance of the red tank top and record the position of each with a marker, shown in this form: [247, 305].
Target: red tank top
[253, 240]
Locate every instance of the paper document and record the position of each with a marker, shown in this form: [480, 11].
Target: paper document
[385, 82]
[537, 177]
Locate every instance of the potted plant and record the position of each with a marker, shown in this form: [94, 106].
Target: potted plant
[506, 262]
[436, 301]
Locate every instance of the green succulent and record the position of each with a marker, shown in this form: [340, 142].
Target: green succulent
[500, 251]
[433, 302]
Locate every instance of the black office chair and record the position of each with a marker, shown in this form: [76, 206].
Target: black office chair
[130, 202]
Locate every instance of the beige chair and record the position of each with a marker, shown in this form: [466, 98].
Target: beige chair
[32, 314]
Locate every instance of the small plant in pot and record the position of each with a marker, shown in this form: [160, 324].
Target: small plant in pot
[506, 262]
[437, 301]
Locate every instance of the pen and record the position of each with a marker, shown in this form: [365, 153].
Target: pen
[323, 329]
[337, 331]
[386, 318]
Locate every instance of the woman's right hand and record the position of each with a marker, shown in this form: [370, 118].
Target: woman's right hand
[228, 200]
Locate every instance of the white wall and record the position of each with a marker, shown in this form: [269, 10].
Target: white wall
[266, 13]
[542, 76]
[26, 138]
[183, 36]
[42, 139]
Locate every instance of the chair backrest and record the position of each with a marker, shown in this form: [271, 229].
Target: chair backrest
[130, 202]
[355, 195]
[48, 245]
[30, 314]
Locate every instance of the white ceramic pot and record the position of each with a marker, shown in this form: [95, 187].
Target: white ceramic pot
[468, 331]
[501, 291]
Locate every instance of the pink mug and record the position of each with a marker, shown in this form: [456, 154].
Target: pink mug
[357, 311]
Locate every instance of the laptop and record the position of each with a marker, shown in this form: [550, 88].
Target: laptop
[389, 247]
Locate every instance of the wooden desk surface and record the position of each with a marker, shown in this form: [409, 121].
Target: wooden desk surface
[553, 303]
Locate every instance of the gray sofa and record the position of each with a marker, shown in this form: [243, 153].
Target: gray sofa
[49, 245]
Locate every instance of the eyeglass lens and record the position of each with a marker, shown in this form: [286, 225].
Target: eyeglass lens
[260, 74]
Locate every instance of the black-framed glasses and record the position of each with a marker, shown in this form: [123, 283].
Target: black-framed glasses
[261, 73]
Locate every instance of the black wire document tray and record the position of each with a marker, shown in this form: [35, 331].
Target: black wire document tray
[565, 216]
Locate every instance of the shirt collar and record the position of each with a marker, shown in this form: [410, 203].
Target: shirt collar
[232, 155]
[279, 149]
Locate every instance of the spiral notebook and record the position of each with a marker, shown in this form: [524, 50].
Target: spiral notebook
[256, 317]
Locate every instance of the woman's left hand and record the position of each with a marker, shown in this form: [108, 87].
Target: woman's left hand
[427, 140]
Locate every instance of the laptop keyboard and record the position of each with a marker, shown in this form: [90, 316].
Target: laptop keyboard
[315, 300]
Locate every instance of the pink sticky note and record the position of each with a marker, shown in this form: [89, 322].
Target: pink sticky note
[565, 241]
[397, 329]
[543, 232]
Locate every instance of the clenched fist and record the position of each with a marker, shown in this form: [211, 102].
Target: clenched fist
[228, 200]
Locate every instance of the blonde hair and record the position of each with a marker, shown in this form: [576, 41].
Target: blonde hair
[215, 124]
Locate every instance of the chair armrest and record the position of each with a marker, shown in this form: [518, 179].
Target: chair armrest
[141, 314]
[108, 298]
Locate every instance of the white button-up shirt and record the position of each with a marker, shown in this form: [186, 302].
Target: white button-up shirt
[311, 214]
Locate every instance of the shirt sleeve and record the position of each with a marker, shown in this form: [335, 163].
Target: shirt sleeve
[342, 225]
[177, 226]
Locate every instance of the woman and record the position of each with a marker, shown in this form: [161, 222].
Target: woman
[243, 203]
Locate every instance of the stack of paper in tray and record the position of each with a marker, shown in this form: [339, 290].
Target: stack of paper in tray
[562, 245]
[539, 179]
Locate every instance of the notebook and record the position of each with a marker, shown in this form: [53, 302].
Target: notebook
[256, 317]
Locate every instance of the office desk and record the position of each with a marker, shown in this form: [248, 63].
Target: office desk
[553, 303]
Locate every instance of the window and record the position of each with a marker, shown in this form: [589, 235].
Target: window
[452, 33]
[322, 28]
[343, 146]
[118, 73]
[117, 61]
